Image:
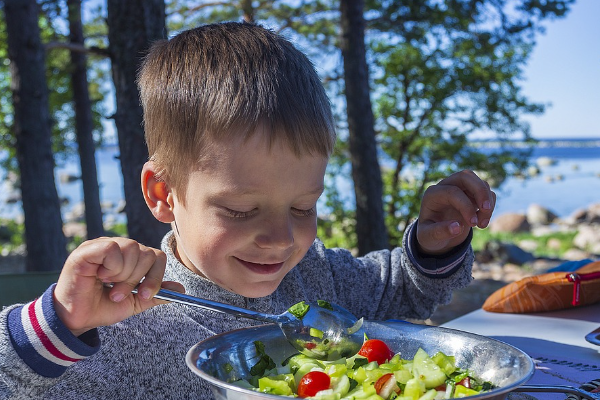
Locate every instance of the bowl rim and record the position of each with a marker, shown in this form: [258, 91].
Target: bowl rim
[193, 353]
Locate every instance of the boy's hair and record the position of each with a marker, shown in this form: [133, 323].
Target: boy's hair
[217, 81]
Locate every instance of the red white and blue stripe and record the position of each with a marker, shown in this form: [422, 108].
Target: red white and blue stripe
[43, 341]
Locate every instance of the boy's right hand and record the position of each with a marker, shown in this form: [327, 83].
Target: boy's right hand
[83, 301]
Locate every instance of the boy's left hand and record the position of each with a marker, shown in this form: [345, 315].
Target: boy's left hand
[450, 208]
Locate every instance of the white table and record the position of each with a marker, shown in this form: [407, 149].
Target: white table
[539, 332]
[555, 340]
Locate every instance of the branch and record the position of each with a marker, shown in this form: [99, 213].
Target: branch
[211, 4]
[77, 48]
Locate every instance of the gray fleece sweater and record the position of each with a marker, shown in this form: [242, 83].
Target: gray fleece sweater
[143, 357]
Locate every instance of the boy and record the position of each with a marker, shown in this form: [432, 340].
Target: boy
[239, 130]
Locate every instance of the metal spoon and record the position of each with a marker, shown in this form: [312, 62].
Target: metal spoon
[319, 330]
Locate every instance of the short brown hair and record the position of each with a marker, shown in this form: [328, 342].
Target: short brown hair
[218, 80]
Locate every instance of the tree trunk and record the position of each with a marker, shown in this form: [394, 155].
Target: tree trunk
[132, 26]
[84, 126]
[370, 223]
[46, 244]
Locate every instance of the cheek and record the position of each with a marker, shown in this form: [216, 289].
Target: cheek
[305, 233]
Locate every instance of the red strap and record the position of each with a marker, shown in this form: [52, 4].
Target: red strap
[573, 277]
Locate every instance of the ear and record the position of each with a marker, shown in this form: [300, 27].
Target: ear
[156, 193]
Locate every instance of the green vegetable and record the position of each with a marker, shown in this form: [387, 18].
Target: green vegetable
[314, 332]
[227, 367]
[265, 362]
[354, 378]
[299, 310]
[446, 363]
[279, 384]
[426, 370]
[325, 304]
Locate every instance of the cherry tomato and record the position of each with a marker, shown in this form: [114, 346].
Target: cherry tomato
[376, 350]
[386, 385]
[313, 382]
[466, 382]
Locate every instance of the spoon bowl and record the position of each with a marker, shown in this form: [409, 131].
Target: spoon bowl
[320, 330]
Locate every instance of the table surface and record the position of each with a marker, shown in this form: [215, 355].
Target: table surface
[558, 331]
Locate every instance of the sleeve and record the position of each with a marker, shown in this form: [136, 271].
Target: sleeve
[439, 266]
[400, 283]
[36, 347]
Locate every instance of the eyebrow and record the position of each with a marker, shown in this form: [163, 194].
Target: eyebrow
[247, 191]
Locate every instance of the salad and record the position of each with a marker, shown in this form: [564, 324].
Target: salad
[375, 373]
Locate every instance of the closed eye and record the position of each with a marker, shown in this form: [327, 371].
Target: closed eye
[239, 214]
[305, 213]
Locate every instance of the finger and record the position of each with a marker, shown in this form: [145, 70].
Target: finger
[153, 278]
[474, 186]
[484, 216]
[139, 264]
[171, 285]
[443, 196]
[117, 256]
[175, 286]
[434, 236]
[443, 230]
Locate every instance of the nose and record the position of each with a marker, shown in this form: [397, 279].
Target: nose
[277, 232]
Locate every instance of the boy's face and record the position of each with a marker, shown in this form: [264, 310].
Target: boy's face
[250, 214]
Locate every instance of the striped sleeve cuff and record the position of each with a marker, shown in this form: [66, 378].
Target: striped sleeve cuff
[43, 342]
[440, 266]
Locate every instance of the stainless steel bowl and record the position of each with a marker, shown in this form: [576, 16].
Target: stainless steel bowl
[229, 356]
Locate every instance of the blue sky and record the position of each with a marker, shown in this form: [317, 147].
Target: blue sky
[564, 70]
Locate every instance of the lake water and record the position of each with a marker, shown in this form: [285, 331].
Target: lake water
[578, 186]
[578, 165]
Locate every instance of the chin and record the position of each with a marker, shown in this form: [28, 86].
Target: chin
[258, 289]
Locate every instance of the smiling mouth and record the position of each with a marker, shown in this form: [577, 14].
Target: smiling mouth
[261, 268]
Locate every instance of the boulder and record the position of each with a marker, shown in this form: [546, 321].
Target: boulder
[120, 207]
[74, 229]
[538, 215]
[593, 214]
[76, 214]
[67, 177]
[510, 222]
[507, 253]
[575, 255]
[579, 215]
[545, 162]
[587, 236]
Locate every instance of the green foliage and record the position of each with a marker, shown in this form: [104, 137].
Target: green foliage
[118, 230]
[483, 236]
[12, 235]
[439, 80]
[6, 106]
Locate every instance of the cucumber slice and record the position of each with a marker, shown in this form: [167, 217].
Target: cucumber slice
[426, 370]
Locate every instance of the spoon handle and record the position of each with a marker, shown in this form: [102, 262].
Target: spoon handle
[176, 297]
